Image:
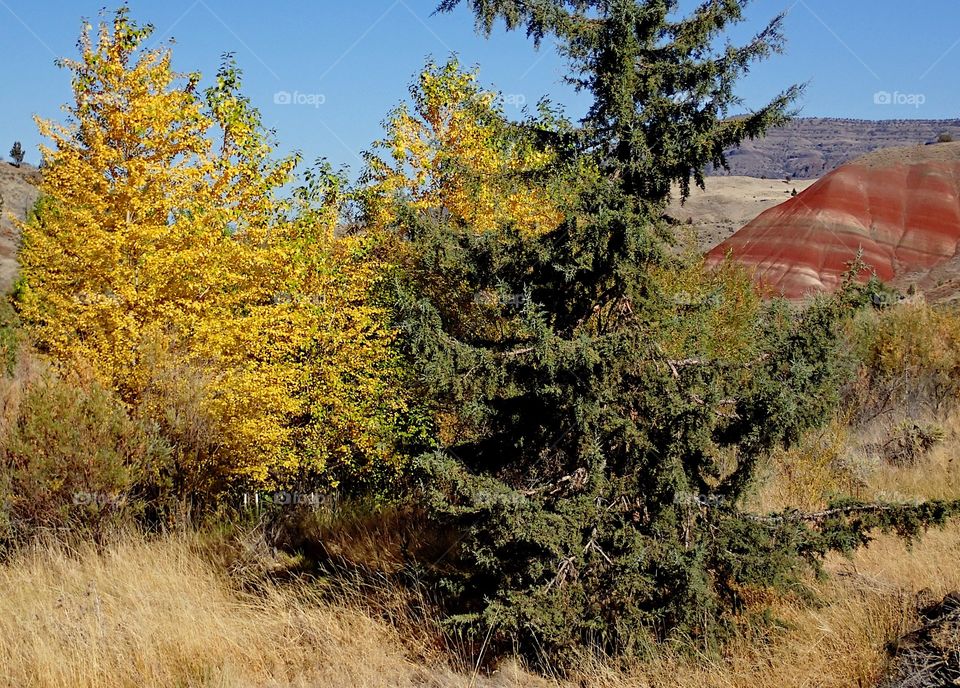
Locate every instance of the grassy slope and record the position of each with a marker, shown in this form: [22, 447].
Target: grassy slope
[161, 613]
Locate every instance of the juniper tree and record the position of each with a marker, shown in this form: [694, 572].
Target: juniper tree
[16, 153]
[606, 403]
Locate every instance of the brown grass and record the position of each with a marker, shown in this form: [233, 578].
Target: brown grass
[155, 614]
[870, 601]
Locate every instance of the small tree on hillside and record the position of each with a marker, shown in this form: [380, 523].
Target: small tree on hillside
[16, 153]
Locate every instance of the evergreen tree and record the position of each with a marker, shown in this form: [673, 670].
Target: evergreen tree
[603, 404]
[16, 153]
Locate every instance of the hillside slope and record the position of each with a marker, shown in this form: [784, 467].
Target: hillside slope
[18, 189]
[901, 206]
[713, 214]
[808, 148]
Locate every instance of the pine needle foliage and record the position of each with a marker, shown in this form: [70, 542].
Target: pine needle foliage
[602, 404]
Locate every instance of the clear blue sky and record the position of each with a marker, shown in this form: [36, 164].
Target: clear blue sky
[346, 64]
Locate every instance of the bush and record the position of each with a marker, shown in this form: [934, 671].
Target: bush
[910, 360]
[910, 441]
[809, 474]
[72, 459]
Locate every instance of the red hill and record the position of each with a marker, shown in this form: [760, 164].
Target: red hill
[901, 206]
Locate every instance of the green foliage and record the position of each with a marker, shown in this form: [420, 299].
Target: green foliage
[73, 459]
[603, 404]
[11, 337]
[16, 153]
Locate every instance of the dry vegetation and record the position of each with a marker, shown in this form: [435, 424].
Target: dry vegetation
[201, 609]
[158, 613]
[155, 613]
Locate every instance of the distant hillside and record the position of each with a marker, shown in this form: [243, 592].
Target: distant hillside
[724, 206]
[18, 189]
[900, 207]
[808, 148]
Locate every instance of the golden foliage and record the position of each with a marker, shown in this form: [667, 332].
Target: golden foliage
[453, 154]
[913, 340]
[171, 265]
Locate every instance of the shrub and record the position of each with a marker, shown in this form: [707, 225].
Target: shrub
[910, 360]
[808, 475]
[910, 441]
[72, 459]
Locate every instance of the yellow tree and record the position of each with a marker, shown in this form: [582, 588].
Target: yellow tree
[455, 152]
[162, 256]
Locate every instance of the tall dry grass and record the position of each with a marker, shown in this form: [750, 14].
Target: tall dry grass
[156, 614]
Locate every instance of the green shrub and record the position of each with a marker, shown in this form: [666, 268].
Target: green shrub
[604, 417]
[73, 460]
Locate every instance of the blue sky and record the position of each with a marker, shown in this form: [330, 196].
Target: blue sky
[346, 64]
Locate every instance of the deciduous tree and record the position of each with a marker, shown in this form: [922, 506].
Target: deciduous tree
[162, 254]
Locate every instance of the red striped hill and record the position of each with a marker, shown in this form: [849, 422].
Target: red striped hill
[901, 206]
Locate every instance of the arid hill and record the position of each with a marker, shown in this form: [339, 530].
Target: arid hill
[713, 214]
[808, 148]
[18, 189]
[900, 206]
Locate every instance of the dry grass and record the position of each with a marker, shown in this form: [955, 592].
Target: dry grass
[870, 601]
[155, 614]
[158, 613]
